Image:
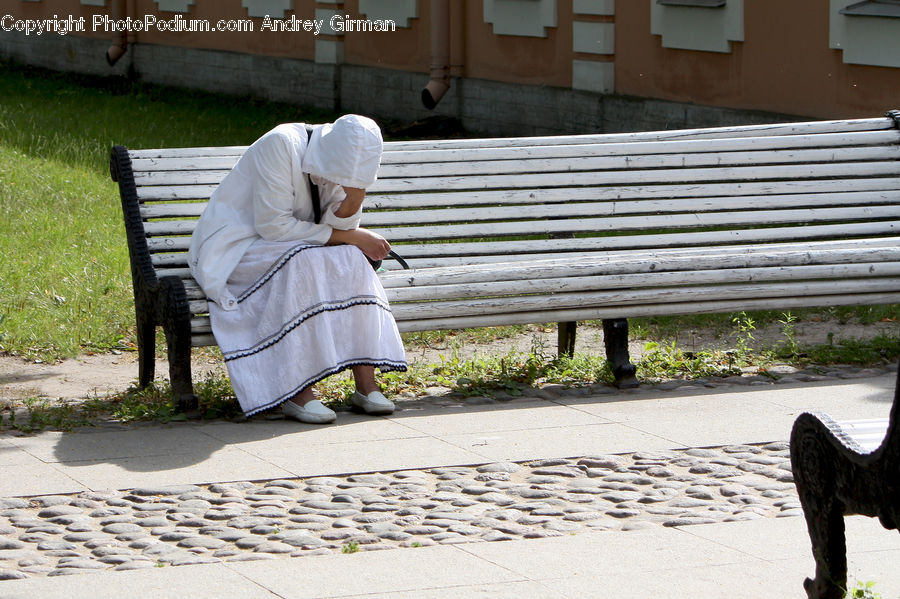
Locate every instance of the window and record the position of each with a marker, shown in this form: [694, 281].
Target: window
[529, 18]
[691, 25]
[873, 8]
[866, 32]
[699, 3]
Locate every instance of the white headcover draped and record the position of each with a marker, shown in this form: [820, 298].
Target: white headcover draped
[346, 152]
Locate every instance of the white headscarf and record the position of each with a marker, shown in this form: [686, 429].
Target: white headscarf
[346, 152]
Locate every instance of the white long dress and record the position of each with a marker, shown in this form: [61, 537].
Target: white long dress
[304, 312]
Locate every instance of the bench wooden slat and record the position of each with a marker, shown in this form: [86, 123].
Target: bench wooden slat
[486, 252]
[173, 210]
[728, 266]
[833, 140]
[565, 179]
[433, 255]
[170, 193]
[638, 310]
[662, 295]
[608, 224]
[640, 262]
[630, 303]
[627, 177]
[574, 162]
[498, 160]
[701, 190]
[867, 434]
[629, 207]
[632, 311]
[470, 198]
[195, 152]
[802, 128]
[450, 255]
[651, 161]
[406, 287]
[653, 279]
[673, 241]
[178, 163]
[637, 223]
[373, 218]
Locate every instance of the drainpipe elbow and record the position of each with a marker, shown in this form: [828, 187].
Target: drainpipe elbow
[115, 52]
[434, 91]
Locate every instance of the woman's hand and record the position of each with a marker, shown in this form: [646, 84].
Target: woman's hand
[372, 244]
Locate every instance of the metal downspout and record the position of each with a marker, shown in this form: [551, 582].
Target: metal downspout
[440, 54]
[120, 10]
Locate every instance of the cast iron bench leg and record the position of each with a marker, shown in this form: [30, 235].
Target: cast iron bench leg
[565, 336]
[816, 463]
[176, 320]
[146, 342]
[615, 337]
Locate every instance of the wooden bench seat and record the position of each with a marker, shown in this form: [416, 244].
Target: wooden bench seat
[841, 469]
[569, 228]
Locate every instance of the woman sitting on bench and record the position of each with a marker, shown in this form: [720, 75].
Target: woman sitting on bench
[291, 300]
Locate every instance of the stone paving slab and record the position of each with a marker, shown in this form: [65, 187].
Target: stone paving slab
[375, 572]
[693, 418]
[745, 580]
[505, 590]
[225, 464]
[776, 541]
[33, 477]
[518, 445]
[190, 582]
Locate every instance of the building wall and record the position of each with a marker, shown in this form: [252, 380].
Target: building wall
[782, 64]
[519, 67]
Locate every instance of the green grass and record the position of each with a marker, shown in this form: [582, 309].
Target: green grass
[64, 267]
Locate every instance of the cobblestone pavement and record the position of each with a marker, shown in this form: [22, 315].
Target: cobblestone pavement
[188, 524]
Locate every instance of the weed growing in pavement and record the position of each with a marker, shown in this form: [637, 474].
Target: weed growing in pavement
[669, 361]
[215, 397]
[743, 333]
[153, 402]
[863, 590]
[883, 347]
[787, 348]
[479, 375]
[44, 413]
[351, 547]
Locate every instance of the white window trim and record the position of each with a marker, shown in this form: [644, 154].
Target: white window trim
[699, 27]
[865, 39]
[525, 18]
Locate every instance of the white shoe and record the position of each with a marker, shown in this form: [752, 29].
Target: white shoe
[374, 403]
[314, 412]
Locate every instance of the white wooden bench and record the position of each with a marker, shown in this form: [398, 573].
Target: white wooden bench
[569, 228]
[841, 469]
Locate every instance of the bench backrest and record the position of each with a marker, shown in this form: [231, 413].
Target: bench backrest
[443, 203]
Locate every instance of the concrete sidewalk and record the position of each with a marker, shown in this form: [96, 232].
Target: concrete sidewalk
[765, 557]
